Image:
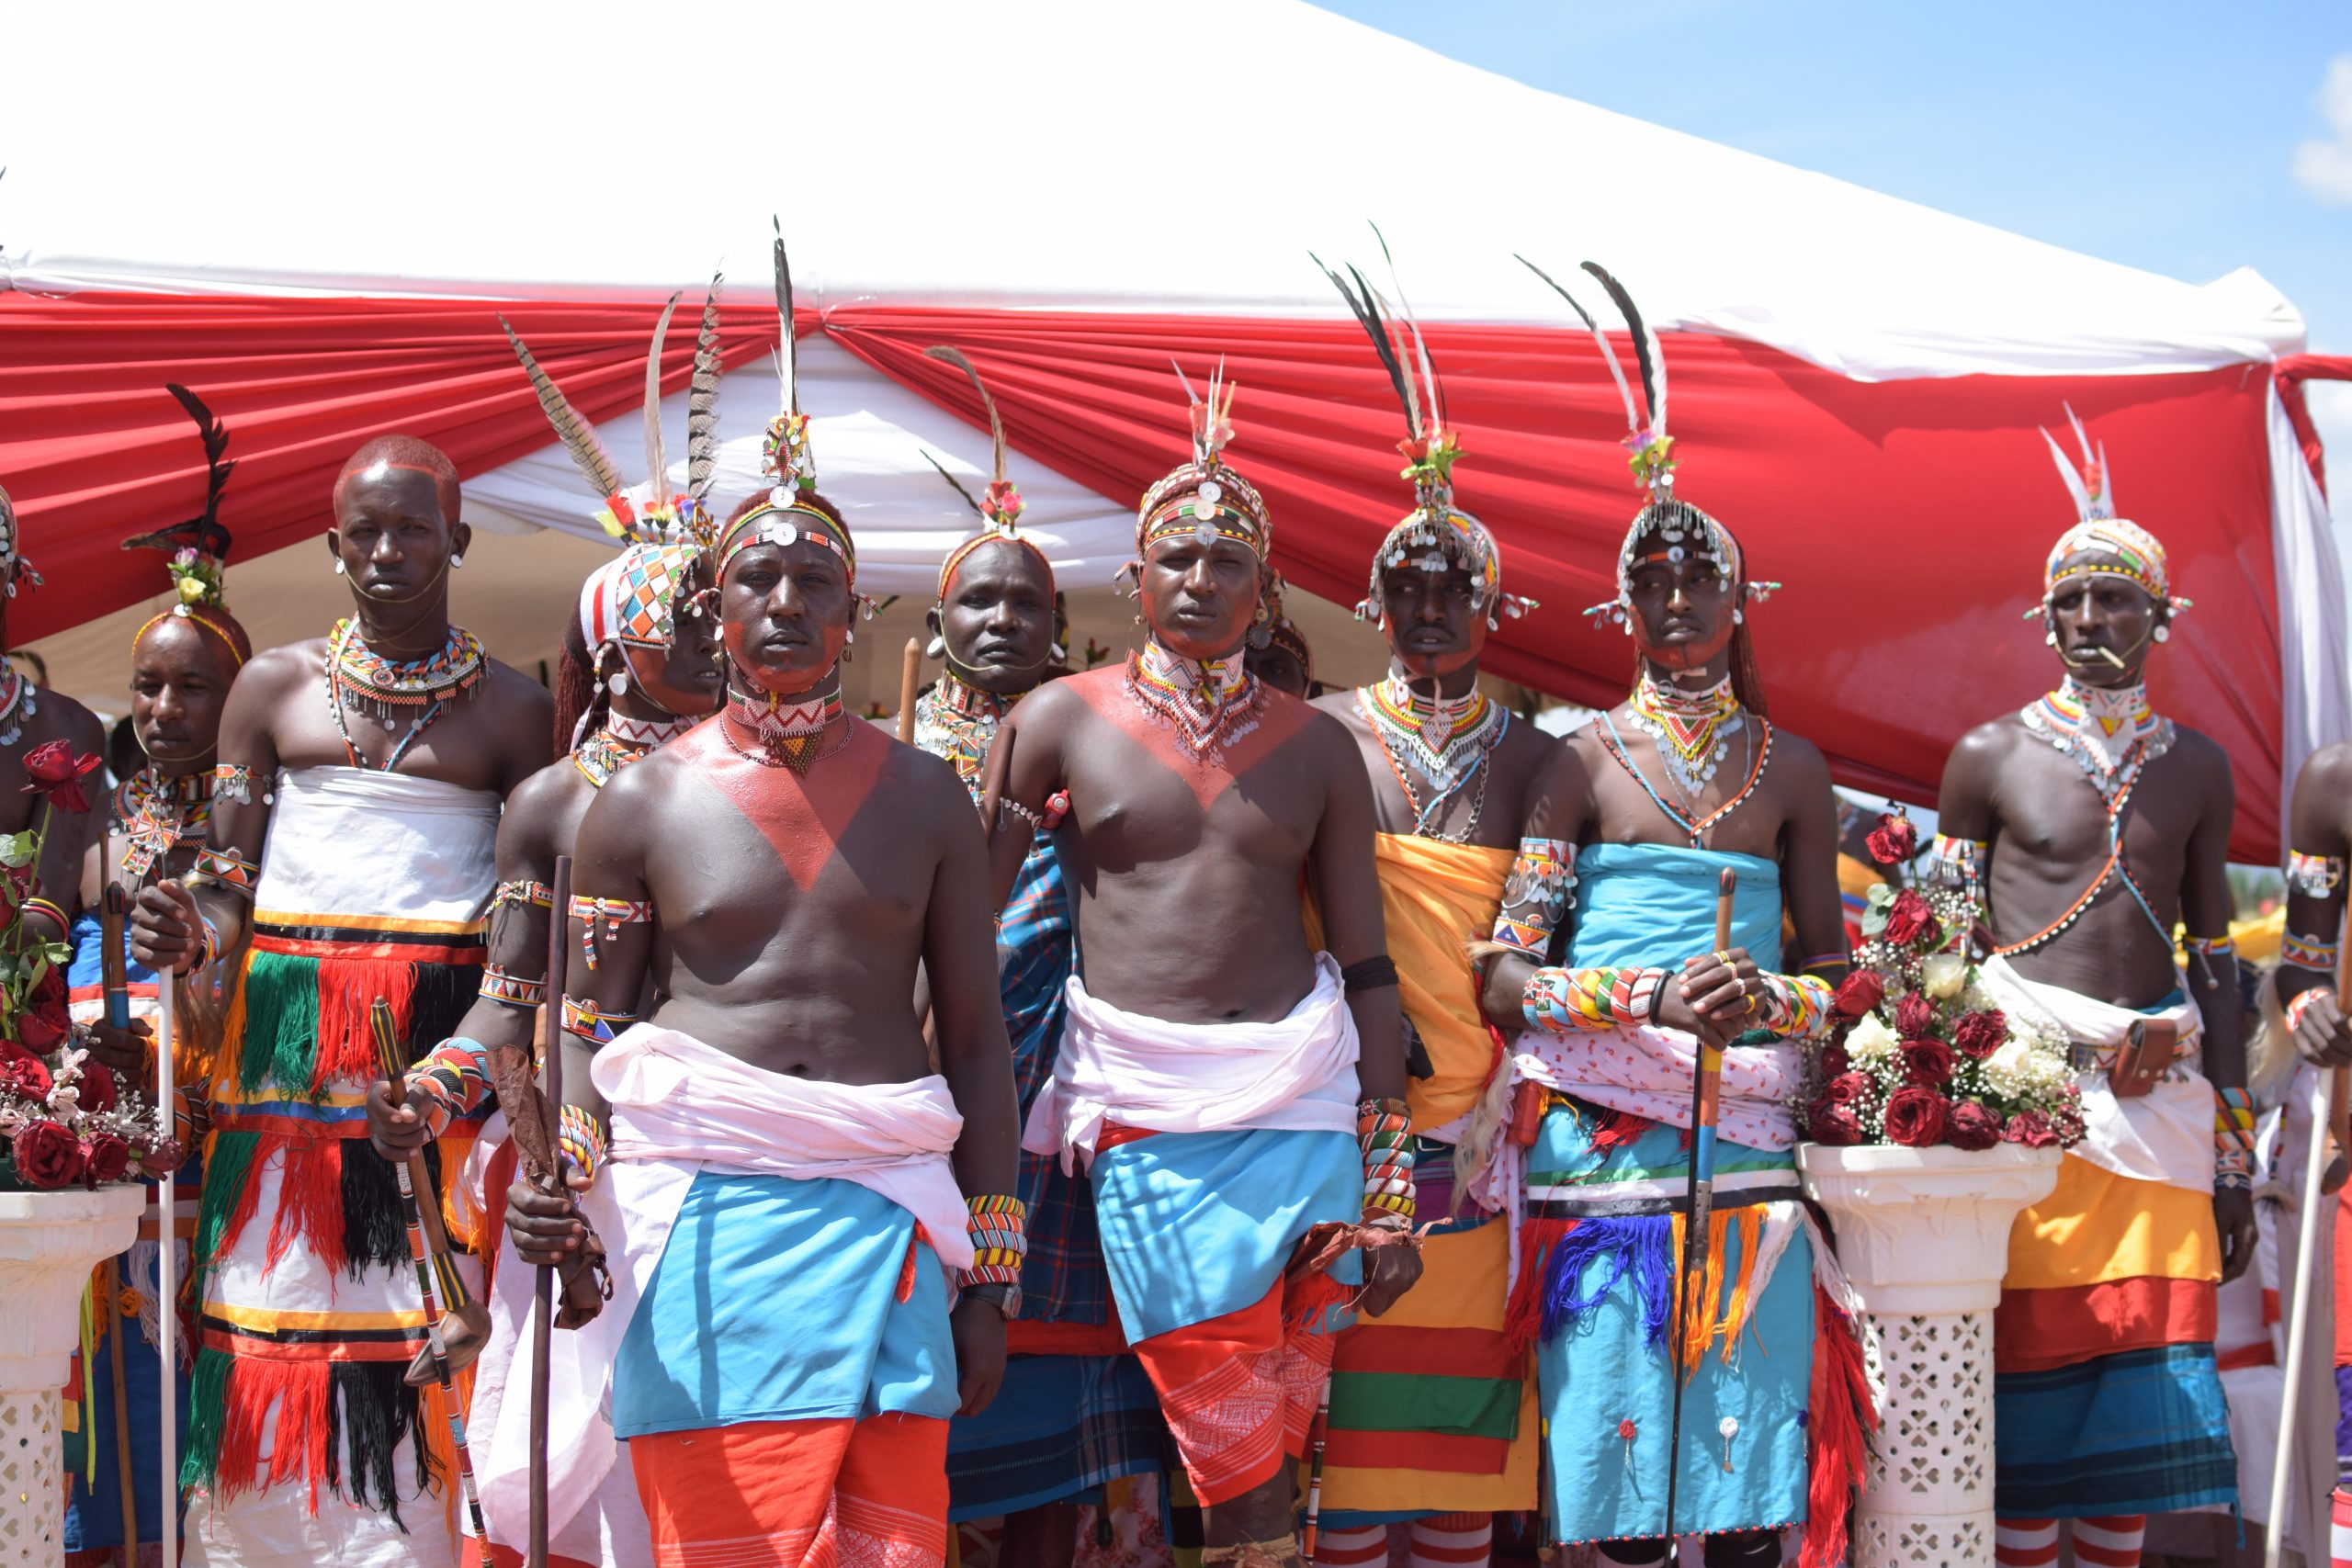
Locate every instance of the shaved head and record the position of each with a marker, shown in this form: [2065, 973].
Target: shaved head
[403, 452]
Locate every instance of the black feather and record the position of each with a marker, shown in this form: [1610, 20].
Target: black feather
[204, 532]
[1641, 336]
[970, 499]
[1367, 313]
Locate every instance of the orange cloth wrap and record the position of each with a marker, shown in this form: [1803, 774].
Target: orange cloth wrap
[1238, 1392]
[797, 1493]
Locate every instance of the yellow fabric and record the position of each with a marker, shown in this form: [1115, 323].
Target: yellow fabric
[1434, 897]
[2097, 1227]
[1857, 877]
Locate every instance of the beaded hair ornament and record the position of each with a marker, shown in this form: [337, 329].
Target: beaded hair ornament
[13, 566]
[1204, 498]
[2125, 549]
[1680, 528]
[999, 506]
[198, 548]
[1436, 534]
[785, 517]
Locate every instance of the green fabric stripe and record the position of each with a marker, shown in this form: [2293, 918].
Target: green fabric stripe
[207, 1402]
[281, 1040]
[1414, 1402]
[227, 1166]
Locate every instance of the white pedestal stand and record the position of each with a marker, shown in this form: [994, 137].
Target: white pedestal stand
[1924, 1235]
[49, 1244]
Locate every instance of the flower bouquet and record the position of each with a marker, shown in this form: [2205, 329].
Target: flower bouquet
[1917, 1056]
[63, 1119]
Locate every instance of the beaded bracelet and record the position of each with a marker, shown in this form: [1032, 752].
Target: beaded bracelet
[1384, 1133]
[581, 1140]
[2232, 1138]
[233, 781]
[224, 869]
[1536, 893]
[1794, 1007]
[2317, 954]
[2303, 1003]
[999, 1225]
[585, 1019]
[456, 1080]
[1565, 1002]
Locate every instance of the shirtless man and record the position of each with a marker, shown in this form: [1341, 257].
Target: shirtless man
[773, 880]
[2090, 825]
[355, 802]
[2319, 828]
[1233, 1091]
[1453, 775]
[31, 717]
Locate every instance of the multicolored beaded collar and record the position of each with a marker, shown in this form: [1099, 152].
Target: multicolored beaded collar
[783, 732]
[1208, 704]
[957, 720]
[20, 700]
[365, 682]
[622, 740]
[2111, 733]
[1693, 729]
[1446, 740]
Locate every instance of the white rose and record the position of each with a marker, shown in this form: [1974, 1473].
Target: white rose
[1942, 975]
[1870, 1040]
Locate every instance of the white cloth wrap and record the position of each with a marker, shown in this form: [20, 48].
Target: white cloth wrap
[1648, 1071]
[355, 841]
[680, 1106]
[1297, 1074]
[2163, 1135]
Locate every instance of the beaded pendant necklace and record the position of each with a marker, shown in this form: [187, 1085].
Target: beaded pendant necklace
[2110, 733]
[1445, 739]
[784, 734]
[365, 682]
[1693, 729]
[957, 720]
[1209, 704]
[18, 702]
[621, 741]
[158, 813]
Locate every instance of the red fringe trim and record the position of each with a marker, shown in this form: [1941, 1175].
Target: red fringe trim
[309, 1197]
[348, 989]
[1523, 1314]
[1613, 1129]
[299, 1452]
[1842, 1412]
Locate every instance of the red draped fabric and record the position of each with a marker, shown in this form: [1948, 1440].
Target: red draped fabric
[1907, 519]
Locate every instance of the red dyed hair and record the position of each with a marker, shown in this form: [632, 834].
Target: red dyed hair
[403, 452]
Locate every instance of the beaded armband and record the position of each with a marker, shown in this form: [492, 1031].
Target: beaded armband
[223, 869]
[999, 1227]
[511, 990]
[48, 911]
[233, 781]
[2314, 953]
[1384, 1131]
[2303, 1004]
[2205, 952]
[1958, 864]
[613, 913]
[456, 1080]
[592, 1023]
[1565, 1002]
[1794, 1007]
[522, 892]
[2314, 876]
[2232, 1138]
[1536, 893]
[580, 1140]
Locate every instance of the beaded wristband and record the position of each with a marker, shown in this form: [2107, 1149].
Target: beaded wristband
[1794, 1007]
[226, 870]
[581, 1140]
[1536, 893]
[1565, 1002]
[999, 1225]
[511, 990]
[1383, 1133]
[2317, 954]
[585, 1020]
[2303, 1003]
[456, 1079]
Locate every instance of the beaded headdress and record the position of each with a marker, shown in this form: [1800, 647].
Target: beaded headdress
[1436, 534]
[1205, 497]
[198, 548]
[1000, 505]
[2131, 551]
[1677, 525]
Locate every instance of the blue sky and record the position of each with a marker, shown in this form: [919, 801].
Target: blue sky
[2162, 134]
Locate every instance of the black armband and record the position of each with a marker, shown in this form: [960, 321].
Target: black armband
[1374, 973]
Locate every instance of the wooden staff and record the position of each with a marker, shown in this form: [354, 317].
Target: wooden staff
[388, 1056]
[167, 1393]
[992, 777]
[1315, 1470]
[114, 971]
[543, 1289]
[909, 672]
[2329, 1102]
[1706, 1090]
[122, 1466]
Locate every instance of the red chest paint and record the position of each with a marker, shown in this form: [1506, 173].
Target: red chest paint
[802, 816]
[1280, 717]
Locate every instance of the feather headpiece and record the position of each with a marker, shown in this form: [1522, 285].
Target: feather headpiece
[1000, 505]
[197, 551]
[1672, 527]
[1205, 497]
[2099, 544]
[1436, 534]
[784, 453]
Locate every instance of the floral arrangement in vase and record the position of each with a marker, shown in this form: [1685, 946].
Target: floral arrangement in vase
[1918, 1055]
[63, 1119]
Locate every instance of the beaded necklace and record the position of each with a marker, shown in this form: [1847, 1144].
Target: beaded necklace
[784, 734]
[158, 813]
[1209, 704]
[19, 705]
[1693, 828]
[957, 720]
[1447, 739]
[360, 678]
[622, 740]
[2110, 733]
[1693, 729]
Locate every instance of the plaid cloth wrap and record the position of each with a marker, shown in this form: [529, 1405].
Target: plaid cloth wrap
[1063, 1280]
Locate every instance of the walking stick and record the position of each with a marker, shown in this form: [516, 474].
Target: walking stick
[2328, 1100]
[1315, 1470]
[1706, 1088]
[387, 1053]
[909, 672]
[543, 1289]
[122, 1466]
[114, 973]
[167, 1393]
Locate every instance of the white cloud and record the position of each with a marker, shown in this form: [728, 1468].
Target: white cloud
[2324, 163]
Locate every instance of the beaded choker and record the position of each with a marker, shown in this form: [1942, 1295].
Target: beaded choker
[1446, 740]
[1693, 729]
[782, 733]
[18, 702]
[2110, 732]
[623, 740]
[957, 720]
[365, 682]
[1208, 704]
[158, 813]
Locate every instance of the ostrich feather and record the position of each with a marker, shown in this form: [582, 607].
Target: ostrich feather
[787, 364]
[1432, 392]
[657, 459]
[2070, 474]
[955, 356]
[579, 437]
[1366, 310]
[1608, 352]
[1645, 349]
[970, 499]
[702, 400]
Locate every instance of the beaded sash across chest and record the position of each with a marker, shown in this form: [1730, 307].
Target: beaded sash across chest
[365, 682]
[621, 741]
[158, 813]
[957, 720]
[1446, 740]
[1208, 704]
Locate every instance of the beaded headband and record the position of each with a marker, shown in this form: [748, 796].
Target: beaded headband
[2131, 551]
[1203, 498]
[999, 506]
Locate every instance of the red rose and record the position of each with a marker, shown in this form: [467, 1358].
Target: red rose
[162, 1159]
[47, 1154]
[22, 1073]
[1835, 1061]
[1908, 918]
[56, 776]
[97, 1087]
[2030, 1128]
[1979, 1034]
[1847, 1089]
[38, 1034]
[1858, 993]
[1973, 1126]
[48, 991]
[1915, 1015]
[1929, 1062]
[1830, 1123]
[1916, 1117]
[1894, 840]
[105, 1158]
